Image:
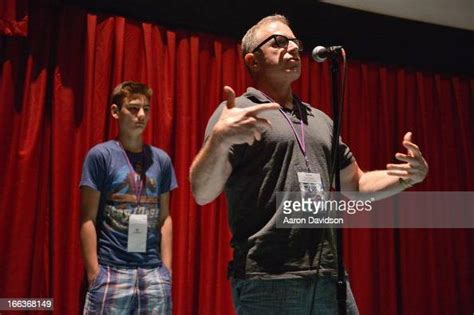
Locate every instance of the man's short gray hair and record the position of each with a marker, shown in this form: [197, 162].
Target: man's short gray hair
[249, 41]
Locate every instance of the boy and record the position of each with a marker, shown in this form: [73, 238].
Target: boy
[126, 229]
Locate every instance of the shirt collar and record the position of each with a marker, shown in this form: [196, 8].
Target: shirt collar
[258, 97]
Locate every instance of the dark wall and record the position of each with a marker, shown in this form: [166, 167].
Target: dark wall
[365, 36]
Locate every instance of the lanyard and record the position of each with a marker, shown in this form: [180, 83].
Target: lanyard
[137, 183]
[300, 140]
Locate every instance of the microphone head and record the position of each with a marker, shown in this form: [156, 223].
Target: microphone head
[319, 54]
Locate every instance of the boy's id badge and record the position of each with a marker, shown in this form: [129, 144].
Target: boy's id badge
[137, 231]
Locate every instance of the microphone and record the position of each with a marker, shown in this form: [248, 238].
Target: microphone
[321, 53]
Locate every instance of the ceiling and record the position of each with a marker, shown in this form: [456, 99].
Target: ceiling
[453, 13]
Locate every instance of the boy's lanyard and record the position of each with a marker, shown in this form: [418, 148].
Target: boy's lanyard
[137, 182]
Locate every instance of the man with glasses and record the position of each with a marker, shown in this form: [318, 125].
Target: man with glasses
[268, 141]
[126, 229]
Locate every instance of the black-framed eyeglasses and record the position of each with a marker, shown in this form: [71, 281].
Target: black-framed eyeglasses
[280, 41]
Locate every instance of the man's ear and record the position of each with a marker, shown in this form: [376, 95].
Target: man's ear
[251, 61]
[114, 110]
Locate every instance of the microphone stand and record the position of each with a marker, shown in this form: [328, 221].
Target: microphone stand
[341, 281]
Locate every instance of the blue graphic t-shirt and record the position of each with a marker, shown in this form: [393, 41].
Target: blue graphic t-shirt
[107, 170]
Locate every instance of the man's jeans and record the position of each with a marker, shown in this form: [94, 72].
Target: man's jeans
[289, 296]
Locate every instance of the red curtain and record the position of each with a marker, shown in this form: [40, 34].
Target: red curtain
[14, 17]
[54, 90]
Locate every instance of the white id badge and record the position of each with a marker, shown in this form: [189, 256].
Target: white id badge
[310, 184]
[309, 178]
[137, 230]
[311, 181]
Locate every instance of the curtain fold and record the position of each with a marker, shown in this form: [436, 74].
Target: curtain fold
[14, 18]
[54, 106]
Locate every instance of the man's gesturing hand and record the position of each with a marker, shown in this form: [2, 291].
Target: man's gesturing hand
[241, 125]
[415, 168]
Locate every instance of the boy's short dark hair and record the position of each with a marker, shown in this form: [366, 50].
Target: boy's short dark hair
[126, 90]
